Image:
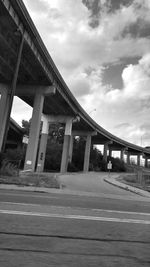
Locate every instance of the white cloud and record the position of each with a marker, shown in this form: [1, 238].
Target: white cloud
[76, 47]
[21, 111]
[73, 43]
[126, 105]
[137, 79]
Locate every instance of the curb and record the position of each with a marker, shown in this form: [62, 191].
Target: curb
[28, 188]
[130, 188]
[61, 190]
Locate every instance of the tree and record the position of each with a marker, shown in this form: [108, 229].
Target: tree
[26, 126]
[56, 133]
[54, 147]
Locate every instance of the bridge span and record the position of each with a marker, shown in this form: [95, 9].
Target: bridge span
[28, 71]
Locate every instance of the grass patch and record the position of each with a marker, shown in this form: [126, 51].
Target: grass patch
[132, 179]
[48, 180]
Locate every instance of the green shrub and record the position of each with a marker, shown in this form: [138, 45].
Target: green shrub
[16, 156]
[103, 165]
[130, 178]
[53, 157]
[72, 167]
[8, 168]
[117, 164]
[10, 162]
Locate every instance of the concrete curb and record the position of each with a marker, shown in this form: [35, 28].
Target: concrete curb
[28, 188]
[62, 190]
[130, 188]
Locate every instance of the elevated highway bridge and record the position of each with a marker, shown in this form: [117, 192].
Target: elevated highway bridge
[28, 71]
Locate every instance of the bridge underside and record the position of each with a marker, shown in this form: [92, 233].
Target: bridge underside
[31, 73]
[39, 84]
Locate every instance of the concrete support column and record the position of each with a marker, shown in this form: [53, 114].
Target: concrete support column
[128, 158]
[42, 146]
[138, 160]
[71, 148]
[87, 154]
[110, 152]
[66, 146]
[146, 162]
[4, 108]
[31, 153]
[105, 151]
[122, 154]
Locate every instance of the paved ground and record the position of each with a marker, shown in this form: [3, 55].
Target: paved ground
[85, 184]
[97, 225]
[94, 182]
[89, 182]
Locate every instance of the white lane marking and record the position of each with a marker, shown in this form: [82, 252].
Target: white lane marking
[76, 217]
[78, 208]
[40, 195]
[123, 212]
[20, 204]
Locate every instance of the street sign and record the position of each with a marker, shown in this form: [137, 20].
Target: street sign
[25, 139]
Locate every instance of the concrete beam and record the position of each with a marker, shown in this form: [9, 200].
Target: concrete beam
[114, 148]
[31, 90]
[83, 133]
[135, 153]
[49, 90]
[101, 142]
[60, 119]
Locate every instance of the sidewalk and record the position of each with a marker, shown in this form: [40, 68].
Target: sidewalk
[130, 188]
[85, 184]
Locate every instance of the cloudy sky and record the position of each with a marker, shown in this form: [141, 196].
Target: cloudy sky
[102, 50]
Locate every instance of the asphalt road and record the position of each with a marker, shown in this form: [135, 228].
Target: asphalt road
[109, 229]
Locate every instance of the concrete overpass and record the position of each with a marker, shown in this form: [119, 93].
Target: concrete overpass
[15, 135]
[28, 71]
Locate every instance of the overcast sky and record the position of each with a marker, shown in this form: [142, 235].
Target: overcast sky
[102, 50]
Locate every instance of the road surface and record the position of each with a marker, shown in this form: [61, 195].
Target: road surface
[110, 228]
